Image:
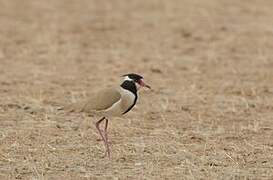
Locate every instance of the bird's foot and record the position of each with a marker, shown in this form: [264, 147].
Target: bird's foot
[107, 154]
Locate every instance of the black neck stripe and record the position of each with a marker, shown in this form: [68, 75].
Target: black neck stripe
[130, 86]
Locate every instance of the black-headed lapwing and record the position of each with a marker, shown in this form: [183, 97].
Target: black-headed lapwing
[111, 102]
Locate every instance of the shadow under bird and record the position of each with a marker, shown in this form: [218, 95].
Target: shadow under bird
[111, 102]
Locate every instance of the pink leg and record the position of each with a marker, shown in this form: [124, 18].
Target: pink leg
[105, 130]
[104, 138]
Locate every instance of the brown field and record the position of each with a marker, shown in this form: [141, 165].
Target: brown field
[210, 64]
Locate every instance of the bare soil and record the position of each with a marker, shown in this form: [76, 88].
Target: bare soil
[210, 64]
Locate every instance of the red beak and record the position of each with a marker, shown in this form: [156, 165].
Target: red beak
[142, 84]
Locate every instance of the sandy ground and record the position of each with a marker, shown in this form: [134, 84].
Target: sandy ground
[210, 64]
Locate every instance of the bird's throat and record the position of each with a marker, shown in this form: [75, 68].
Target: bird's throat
[131, 87]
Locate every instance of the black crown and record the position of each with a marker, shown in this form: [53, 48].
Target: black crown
[133, 76]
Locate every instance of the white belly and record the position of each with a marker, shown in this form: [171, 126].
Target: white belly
[126, 101]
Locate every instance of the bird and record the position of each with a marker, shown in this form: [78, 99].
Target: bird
[112, 102]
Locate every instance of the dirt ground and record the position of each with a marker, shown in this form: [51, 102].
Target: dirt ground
[209, 115]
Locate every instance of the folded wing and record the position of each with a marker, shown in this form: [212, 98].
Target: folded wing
[101, 101]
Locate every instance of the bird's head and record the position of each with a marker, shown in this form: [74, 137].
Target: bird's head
[137, 79]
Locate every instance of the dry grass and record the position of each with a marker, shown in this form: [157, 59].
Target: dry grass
[210, 64]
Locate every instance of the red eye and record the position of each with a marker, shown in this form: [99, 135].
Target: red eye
[140, 82]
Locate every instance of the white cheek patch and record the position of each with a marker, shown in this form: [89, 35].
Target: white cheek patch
[138, 86]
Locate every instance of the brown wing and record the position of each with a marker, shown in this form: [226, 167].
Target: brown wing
[102, 100]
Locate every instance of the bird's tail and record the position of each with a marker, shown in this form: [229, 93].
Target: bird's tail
[74, 107]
